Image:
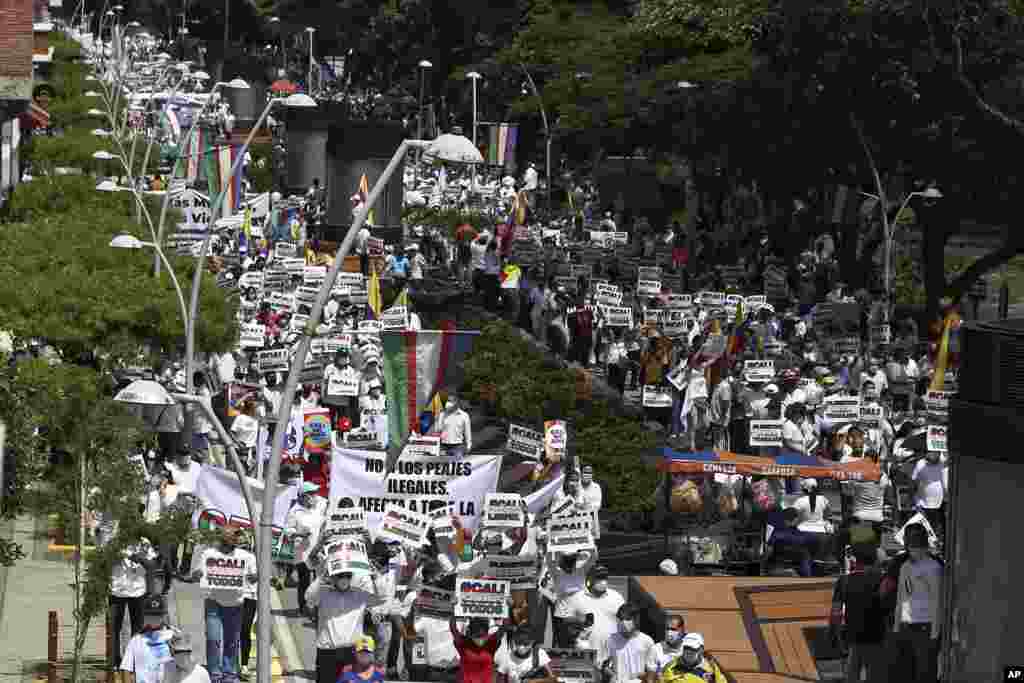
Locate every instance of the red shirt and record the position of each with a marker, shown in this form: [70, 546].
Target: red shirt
[476, 663]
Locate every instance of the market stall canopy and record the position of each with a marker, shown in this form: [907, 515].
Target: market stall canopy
[786, 464]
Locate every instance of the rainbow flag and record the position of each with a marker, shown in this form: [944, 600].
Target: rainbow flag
[501, 144]
[364, 195]
[417, 364]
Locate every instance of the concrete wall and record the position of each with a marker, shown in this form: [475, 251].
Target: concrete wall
[307, 157]
[987, 598]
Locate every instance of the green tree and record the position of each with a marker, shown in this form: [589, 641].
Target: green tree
[63, 282]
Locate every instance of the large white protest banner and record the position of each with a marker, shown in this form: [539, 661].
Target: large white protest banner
[220, 502]
[419, 485]
[486, 598]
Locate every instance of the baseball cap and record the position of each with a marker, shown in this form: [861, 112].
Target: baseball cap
[693, 640]
[599, 572]
[365, 644]
[669, 567]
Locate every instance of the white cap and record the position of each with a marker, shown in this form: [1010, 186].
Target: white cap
[693, 640]
[668, 566]
[809, 484]
[771, 389]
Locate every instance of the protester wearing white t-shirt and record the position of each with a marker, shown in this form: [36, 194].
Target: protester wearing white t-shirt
[568, 574]
[128, 587]
[340, 612]
[931, 476]
[147, 657]
[604, 603]
[303, 523]
[813, 509]
[185, 473]
[223, 605]
[628, 648]
[523, 660]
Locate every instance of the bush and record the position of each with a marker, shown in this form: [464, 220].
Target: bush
[446, 219]
[524, 386]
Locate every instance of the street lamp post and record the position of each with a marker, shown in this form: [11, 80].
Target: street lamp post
[889, 240]
[424, 65]
[133, 242]
[474, 76]
[263, 622]
[547, 133]
[309, 77]
[297, 100]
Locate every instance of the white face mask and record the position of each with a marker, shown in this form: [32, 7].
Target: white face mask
[523, 650]
[673, 637]
[626, 625]
[449, 406]
[342, 584]
[599, 587]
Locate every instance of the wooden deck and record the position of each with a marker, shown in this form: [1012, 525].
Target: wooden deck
[755, 627]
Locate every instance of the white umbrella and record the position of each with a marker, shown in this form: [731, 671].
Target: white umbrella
[145, 392]
[454, 148]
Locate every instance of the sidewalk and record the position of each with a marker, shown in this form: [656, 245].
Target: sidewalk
[31, 588]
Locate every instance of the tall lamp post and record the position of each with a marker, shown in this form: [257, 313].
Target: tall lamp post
[424, 65]
[889, 240]
[309, 77]
[474, 77]
[547, 133]
[264, 560]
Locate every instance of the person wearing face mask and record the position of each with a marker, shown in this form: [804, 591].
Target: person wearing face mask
[186, 668]
[602, 602]
[571, 490]
[913, 646]
[590, 489]
[876, 375]
[628, 648]
[476, 650]
[523, 661]
[931, 478]
[667, 651]
[568, 576]
[341, 609]
[223, 605]
[694, 665]
[303, 523]
[455, 429]
[128, 584]
[373, 411]
[365, 669]
[148, 657]
[341, 385]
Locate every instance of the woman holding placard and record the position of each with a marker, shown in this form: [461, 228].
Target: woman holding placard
[476, 650]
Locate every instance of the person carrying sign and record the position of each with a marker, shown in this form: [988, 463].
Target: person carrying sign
[476, 649]
[224, 572]
[341, 386]
[303, 524]
[341, 610]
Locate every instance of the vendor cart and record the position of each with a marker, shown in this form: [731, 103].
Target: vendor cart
[725, 533]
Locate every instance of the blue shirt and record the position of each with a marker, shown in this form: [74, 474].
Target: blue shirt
[349, 676]
[400, 265]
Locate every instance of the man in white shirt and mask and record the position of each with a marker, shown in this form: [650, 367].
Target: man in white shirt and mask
[628, 648]
[604, 603]
[341, 609]
[591, 490]
[455, 428]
